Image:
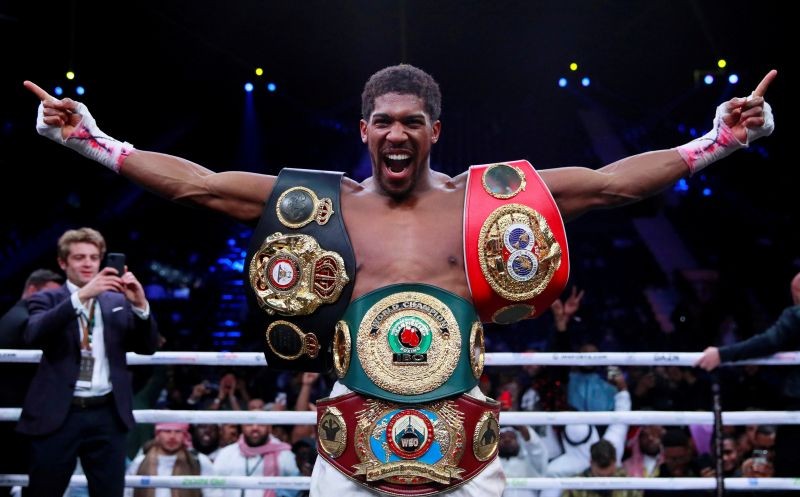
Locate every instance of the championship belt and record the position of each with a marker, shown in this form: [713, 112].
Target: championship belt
[408, 449]
[300, 269]
[515, 247]
[409, 343]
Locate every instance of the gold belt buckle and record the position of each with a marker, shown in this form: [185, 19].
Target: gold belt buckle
[292, 275]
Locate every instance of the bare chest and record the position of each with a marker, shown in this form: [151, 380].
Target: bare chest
[418, 242]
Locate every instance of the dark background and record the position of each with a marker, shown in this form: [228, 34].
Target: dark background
[169, 75]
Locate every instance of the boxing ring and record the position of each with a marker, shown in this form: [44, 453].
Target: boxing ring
[674, 418]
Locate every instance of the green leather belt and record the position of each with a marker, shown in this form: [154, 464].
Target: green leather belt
[409, 343]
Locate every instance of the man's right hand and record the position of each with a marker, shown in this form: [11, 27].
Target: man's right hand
[55, 113]
[709, 359]
[105, 280]
[70, 123]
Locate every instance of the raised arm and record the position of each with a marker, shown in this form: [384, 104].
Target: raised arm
[737, 122]
[240, 195]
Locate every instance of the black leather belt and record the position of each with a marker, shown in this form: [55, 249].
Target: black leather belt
[87, 402]
[298, 206]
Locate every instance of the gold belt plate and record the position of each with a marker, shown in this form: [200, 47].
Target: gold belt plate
[380, 431]
[409, 343]
[292, 275]
[518, 252]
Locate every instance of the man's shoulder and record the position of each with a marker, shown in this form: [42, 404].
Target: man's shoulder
[50, 295]
[47, 299]
[228, 452]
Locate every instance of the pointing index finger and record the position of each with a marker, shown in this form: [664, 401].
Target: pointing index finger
[37, 90]
[761, 89]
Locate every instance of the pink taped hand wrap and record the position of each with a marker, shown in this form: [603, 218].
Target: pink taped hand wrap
[720, 141]
[87, 139]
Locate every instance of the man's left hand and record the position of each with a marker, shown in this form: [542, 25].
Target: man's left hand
[134, 291]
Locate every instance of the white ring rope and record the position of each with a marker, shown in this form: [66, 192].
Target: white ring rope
[303, 482]
[513, 418]
[506, 418]
[492, 358]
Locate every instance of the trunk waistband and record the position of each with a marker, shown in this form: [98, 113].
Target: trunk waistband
[409, 343]
[408, 450]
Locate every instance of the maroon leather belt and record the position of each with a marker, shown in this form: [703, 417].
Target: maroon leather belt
[408, 449]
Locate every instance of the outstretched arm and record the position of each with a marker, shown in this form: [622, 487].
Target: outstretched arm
[737, 122]
[240, 195]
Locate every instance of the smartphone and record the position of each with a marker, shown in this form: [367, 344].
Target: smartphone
[760, 457]
[117, 261]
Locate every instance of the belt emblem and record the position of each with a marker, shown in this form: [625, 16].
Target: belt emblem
[487, 433]
[409, 446]
[512, 313]
[332, 432]
[410, 339]
[287, 341]
[409, 343]
[283, 272]
[518, 252]
[292, 275]
[409, 434]
[298, 206]
[341, 348]
[476, 349]
[503, 180]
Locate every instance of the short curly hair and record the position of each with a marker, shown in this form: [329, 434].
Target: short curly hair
[404, 79]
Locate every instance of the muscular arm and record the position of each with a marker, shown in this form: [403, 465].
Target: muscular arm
[577, 190]
[238, 194]
[737, 122]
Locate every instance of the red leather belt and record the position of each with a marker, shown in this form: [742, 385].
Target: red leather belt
[515, 247]
[408, 449]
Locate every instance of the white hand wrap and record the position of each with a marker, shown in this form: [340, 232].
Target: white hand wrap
[720, 142]
[87, 139]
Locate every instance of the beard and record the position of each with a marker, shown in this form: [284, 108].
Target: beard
[256, 440]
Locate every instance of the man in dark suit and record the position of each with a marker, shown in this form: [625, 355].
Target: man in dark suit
[17, 377]
[784, 334]
[13, 322]
[79, 403]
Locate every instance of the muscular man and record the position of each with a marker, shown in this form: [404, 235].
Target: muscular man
[404, 224]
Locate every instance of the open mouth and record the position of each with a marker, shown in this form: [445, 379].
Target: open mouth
[397, 163]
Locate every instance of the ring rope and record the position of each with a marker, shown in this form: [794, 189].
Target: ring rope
[303, 482]
[507, 418]
[512, 418]
[492, 358]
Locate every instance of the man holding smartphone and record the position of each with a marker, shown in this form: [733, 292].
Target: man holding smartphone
[80, 399]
